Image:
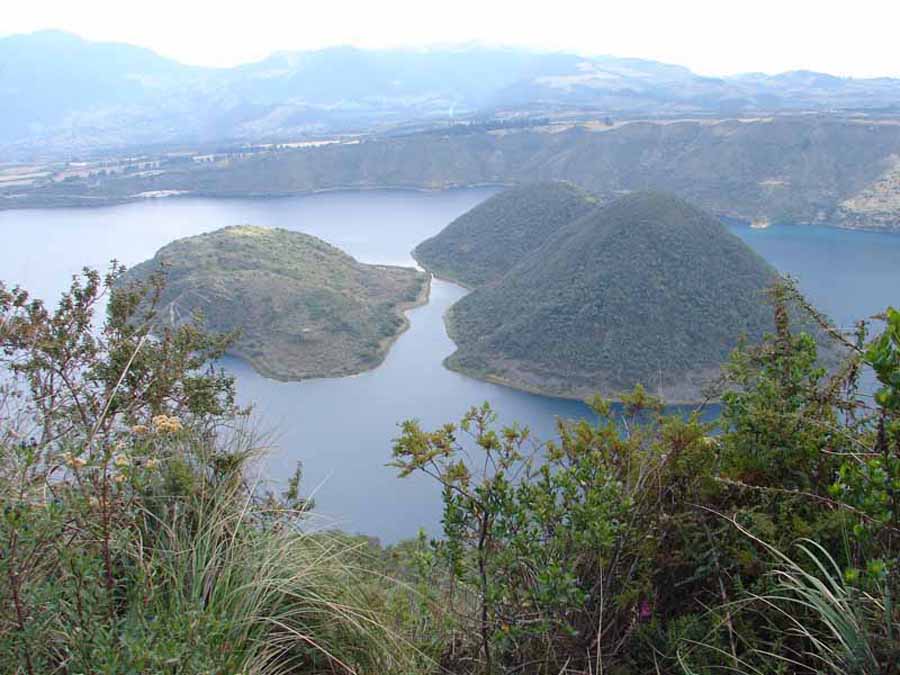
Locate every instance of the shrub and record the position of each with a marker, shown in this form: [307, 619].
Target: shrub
[641, 543]
[132, 538]
[549, 550]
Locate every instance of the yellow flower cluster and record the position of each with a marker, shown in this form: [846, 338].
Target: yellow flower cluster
[140, 429]
[72, 461]
[164, 424]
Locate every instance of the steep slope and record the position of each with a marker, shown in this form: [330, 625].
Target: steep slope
[792, 170]
[647, 290]
[51, 80]
[484, 243]
[303, 308]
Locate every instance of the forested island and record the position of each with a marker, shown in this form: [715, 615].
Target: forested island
[483, 244]
[300, 307]
[570, 297]
[576, 299]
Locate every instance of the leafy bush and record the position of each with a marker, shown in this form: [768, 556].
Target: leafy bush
[131, 538]
[549, 549]
[650, 542]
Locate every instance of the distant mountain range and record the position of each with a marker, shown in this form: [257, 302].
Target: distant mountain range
[65, 93]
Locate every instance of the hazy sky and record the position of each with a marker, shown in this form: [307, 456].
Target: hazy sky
[858, 38]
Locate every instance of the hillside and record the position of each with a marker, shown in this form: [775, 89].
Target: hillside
[793, 170]
[484, 243]
[66, 95]
[648, 289]
[304, 308]
[142, 537]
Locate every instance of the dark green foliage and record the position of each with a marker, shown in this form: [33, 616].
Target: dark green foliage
[482, 245]
[92, 380]
[300, 307]
[869, 479]
[647, 290]
[642, 542]
[558, 553]
[809, 471]
[767, 543]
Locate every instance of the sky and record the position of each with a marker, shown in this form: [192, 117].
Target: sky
[723, 37]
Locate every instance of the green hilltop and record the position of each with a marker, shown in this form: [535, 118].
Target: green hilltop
[484, 243]
[648, 290]
[303, 308]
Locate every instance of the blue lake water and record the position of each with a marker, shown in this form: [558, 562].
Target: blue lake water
[848, 274]
[342, 429]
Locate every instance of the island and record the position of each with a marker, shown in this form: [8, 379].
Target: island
[485, 242]
[301, 307]
[646, 290]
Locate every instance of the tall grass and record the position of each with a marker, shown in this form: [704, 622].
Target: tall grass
[821, 623]
[208, 576]
[271, 598]
[132, 538]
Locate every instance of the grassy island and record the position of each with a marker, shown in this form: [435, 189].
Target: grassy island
[302, 308]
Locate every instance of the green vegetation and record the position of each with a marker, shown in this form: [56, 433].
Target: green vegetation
[301, 307]
[764, 542]
[134, 536]
[483, 244]
[647, 290]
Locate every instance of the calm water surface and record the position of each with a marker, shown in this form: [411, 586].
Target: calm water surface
[342, 428]
[848, 274]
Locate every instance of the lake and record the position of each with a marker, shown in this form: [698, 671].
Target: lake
[341, 429]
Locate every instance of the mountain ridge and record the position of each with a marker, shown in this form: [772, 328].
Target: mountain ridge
[115, 94]
[784, 169]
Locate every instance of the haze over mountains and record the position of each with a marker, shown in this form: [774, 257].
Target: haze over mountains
[62, 92]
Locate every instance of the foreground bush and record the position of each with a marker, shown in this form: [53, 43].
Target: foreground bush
[652, 542]
[131, 537]
[134, 539]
